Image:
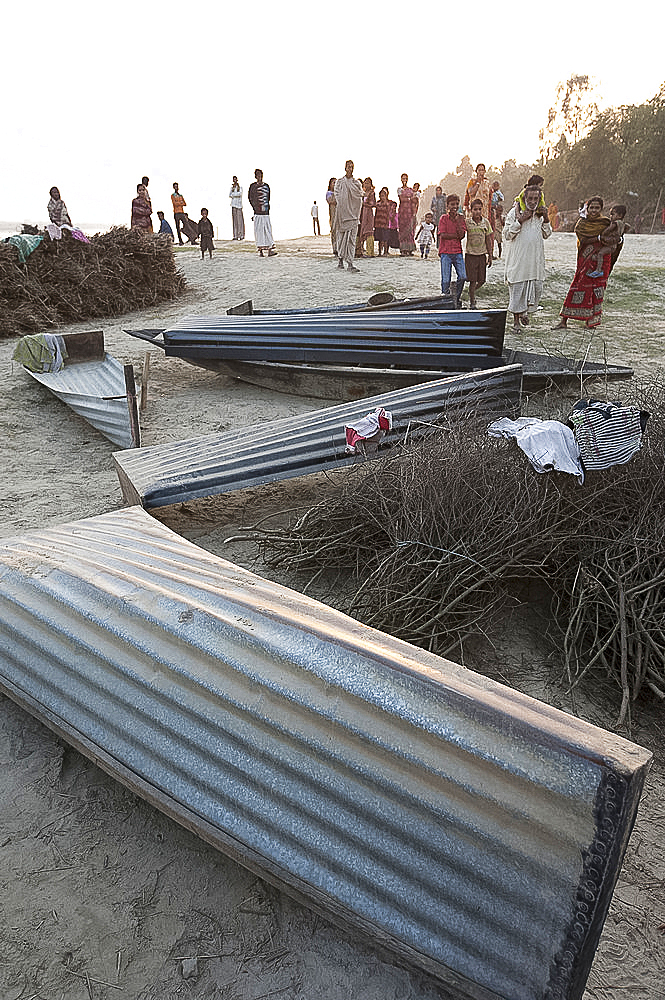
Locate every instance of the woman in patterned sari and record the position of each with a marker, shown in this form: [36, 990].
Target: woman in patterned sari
[584, 301]
[141, 210]
[408, 206]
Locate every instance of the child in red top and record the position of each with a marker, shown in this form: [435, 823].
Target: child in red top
[452, 230]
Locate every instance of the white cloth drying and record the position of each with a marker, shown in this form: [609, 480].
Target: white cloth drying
[548, 444]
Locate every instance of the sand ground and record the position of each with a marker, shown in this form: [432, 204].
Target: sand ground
[92, 878]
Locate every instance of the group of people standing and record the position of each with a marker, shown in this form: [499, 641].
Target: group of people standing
[358, 221]
[203, 231]
[381, 223]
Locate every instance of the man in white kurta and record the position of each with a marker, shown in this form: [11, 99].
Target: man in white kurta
[349, 198]
[523, 234]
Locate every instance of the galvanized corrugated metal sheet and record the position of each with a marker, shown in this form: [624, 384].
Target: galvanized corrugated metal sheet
[96, 391]
[475, 831]
[297, 446]
[465, 339]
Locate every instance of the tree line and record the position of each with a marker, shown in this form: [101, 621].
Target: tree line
[618, 153]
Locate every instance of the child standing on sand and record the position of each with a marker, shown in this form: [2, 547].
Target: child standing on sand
[206, 232]
[425, 235]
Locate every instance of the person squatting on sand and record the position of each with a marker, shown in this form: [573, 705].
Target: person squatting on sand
[164, 227]
[524, 233]
[349, 200]
[452, 230]
[584, 301]
[259, 198]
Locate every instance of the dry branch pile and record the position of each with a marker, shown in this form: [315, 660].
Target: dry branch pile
[65, 280]
[434, 540]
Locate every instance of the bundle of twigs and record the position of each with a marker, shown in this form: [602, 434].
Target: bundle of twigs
[435, 539]
[67, 280]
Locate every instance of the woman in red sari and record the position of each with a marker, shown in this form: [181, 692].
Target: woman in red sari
[584, 301]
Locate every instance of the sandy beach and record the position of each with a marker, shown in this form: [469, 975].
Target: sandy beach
[89, 871]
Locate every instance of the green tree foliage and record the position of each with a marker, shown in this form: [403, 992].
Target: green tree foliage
[622, 158]
[618, 153]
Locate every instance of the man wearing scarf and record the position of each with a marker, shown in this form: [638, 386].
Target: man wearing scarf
[524, 233]
[349, 198]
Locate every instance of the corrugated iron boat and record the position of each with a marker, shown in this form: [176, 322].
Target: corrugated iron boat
[379, 301]
[474, 831]
[310, 442]
[428, 338]
[348, 356]
[95, 386]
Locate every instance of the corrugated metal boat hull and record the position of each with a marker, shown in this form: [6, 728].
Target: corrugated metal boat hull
[297, 446]
[461, 340]
[476, 832]
[96, 391]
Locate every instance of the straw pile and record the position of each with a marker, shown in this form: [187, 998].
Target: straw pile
[435, 540]
[66, 280]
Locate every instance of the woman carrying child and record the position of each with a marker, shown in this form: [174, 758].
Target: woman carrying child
[584, 301]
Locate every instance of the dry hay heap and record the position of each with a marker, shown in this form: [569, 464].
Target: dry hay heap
[433, 541]
[66, 280]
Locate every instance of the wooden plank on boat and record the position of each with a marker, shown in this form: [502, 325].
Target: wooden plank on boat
[474, 832]
[344, 382]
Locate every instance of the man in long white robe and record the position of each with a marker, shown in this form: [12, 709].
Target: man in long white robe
[349, 198]
[524, 234]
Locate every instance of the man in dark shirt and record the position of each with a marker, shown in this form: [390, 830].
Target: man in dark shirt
[259, 198]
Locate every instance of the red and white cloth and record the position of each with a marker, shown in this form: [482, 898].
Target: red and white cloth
[366, 427]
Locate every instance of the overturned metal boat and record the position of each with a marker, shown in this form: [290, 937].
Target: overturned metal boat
[459, 340]
[304, 358]
[300, 445]
[95, 386]
[475, 832]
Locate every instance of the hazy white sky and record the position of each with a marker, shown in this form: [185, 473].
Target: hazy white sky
[95, 95]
